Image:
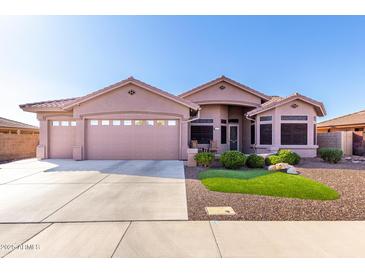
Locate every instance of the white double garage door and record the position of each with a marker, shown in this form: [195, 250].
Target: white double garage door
[119, 139]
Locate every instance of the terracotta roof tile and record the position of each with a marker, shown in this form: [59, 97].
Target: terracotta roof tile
[60, 103]
[7, 123]
[349, 119]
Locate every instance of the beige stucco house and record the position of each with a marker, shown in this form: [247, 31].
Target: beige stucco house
[134, 120]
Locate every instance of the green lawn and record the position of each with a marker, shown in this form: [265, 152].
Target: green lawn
[263, 182]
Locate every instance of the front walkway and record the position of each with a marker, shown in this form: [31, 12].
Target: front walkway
[184, 239]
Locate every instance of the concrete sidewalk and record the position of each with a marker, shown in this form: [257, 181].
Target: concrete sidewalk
[184, 239]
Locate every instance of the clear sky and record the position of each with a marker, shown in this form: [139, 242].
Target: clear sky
[56, 57]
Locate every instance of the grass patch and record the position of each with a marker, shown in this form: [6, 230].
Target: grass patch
[263, 182]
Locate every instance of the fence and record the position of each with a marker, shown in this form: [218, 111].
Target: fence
[18, 146]
[339, 139]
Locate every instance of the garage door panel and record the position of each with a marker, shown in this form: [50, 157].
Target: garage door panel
[132, 141]
[61, 140]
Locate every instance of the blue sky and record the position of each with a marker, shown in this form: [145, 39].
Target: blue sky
[54, 57]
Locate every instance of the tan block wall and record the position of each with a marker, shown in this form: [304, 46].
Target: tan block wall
[338, 139]
[18, 146]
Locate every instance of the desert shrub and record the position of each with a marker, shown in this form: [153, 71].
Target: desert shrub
[233, 159]
[272, 160]
[283, 156]
[331, 155]
[289, 157]
[204, 159]
[255, 161]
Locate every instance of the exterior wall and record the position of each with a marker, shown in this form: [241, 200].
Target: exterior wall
[230, 95]
[309, 150]
[340, 139]
[18, 146]
[117, 104]
[219, 112]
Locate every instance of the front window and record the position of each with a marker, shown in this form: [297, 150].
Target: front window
[203, 134]
[266, 134]
[253, 134]
[294, 134]
[223, 135]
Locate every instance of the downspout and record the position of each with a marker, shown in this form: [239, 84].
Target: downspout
[254, 120]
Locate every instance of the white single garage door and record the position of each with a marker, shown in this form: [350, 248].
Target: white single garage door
[132, 139]
[61, 139]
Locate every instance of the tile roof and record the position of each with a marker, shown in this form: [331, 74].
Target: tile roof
[57, 104]
[277, 100]
[228, 80]
[137, 82]
[64, 104]
[349, 119]
[7, 123]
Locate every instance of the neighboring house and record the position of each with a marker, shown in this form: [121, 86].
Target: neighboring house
[350, 122]
[17, 140]
[133, 120]
[345, 132]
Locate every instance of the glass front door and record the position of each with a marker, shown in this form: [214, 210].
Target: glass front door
[233, 137]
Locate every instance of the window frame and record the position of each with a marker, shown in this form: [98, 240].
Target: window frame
[105, 122]
[294, 132]
[55, 123]
[116, 123]
[262, 132]
[224, 134]
[206, 140]
[174, 123]
[127, 123]
[94, 122]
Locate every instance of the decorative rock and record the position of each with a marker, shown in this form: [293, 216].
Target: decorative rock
[279, 167]
[348, 158]
[355, 162]
[292, 170]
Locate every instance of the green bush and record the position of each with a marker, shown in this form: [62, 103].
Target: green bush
[272, 160]
[233, 159]
[283, 156]
[255, 161]
[289, 157]
[204, 159]
[331, 155]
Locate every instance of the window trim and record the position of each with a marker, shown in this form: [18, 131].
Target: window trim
[225, 137]
[211, 133]
[116, 123]
[105, 122]
[171, 123]
[94, 122]
[150, 123]
[127, 123]
[271, 137]
[294, 144]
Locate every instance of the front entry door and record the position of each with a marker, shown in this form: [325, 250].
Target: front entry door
[233, 137]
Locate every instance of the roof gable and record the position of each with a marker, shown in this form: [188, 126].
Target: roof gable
[277, 101]
[224, 79]
[136, 82]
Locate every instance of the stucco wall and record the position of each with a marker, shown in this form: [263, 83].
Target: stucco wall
[303, 108]
[230, 94]
[18, 146]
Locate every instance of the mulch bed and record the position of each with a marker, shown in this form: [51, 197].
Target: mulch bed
[346, 177]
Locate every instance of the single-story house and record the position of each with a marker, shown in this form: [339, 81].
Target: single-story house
[350, 122]
[134, 120]
[17, 140]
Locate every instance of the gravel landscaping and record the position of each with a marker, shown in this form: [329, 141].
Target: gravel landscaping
[346, 177]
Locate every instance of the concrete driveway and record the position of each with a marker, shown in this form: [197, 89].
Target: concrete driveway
[71, 191]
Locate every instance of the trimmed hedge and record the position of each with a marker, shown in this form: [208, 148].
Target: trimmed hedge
[331, 155]
[283, 156]
[255, 161]
[233, 159]
[204, 159]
